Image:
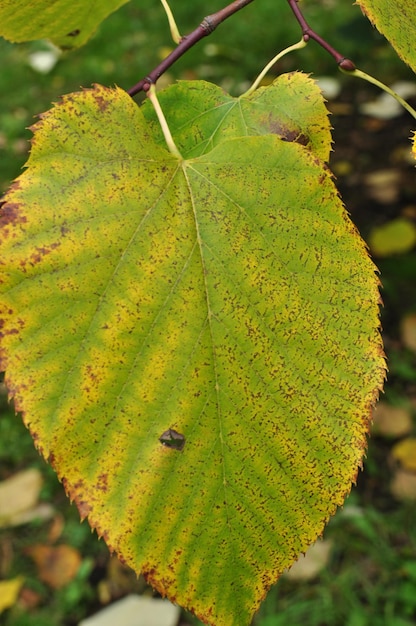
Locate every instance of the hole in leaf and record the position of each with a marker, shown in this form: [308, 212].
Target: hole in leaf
[172, 439]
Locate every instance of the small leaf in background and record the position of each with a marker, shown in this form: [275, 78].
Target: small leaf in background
[43, 61]
[56, 565]
[403, 485]
[384, 186]
[385, 106]
[405, 453]
[9, 592]
[312, 562]
[395, 20]
[29, 599]
[18, 495]
[391, 421]
[118, 581]
[408, 331]
[67, 23]
[395, 237]
[136, 611]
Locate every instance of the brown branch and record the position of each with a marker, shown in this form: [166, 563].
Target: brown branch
[309, 33]
[207, 26]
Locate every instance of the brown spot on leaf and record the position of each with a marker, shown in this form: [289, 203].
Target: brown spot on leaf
[83, 507]
[10, 215]
[73, 492]
[41, 252]
[277, 127]
[100, 94]
[74, 33]
[102, 483]
[162, 585]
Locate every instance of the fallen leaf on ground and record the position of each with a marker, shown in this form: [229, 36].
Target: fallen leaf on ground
[383, 185]
[56, 566]
[311, 563]
[386, 107]
[29, 599]
[136, 611]
[408, 331]
[395, 237]
[9, 591]
[405, 453]
[403, 485]
[119, 580]
[56, 528]
[391, 421]
[19, 494]
[41, 512]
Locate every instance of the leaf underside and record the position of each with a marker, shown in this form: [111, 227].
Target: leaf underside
[193, 344]
[396, 21]
[67, 23]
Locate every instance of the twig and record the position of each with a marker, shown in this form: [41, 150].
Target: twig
[308, 33]
[207, 26]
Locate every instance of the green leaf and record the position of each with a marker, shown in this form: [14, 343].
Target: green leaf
[67, 23]
[395, 237]
[193, 344]
[291, 108]
[397, 22]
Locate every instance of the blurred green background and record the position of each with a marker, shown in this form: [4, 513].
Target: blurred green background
[369, 575]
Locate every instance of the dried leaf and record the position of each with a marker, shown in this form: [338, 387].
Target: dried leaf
[310, 564]
[405, 453]
[391, 421]
[57, 566]
[19, 494]
[136, 611]
[408, 331]
[403, 485]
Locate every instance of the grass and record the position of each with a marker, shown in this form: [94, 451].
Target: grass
[371, 576]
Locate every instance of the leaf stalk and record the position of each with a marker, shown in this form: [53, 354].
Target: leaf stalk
[297, 46]
[174, 31]
[151, 94]
[374, 81]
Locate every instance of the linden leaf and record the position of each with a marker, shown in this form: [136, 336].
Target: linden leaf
[67, 23]
[396, 21]
[292, 108]
[194, 344]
